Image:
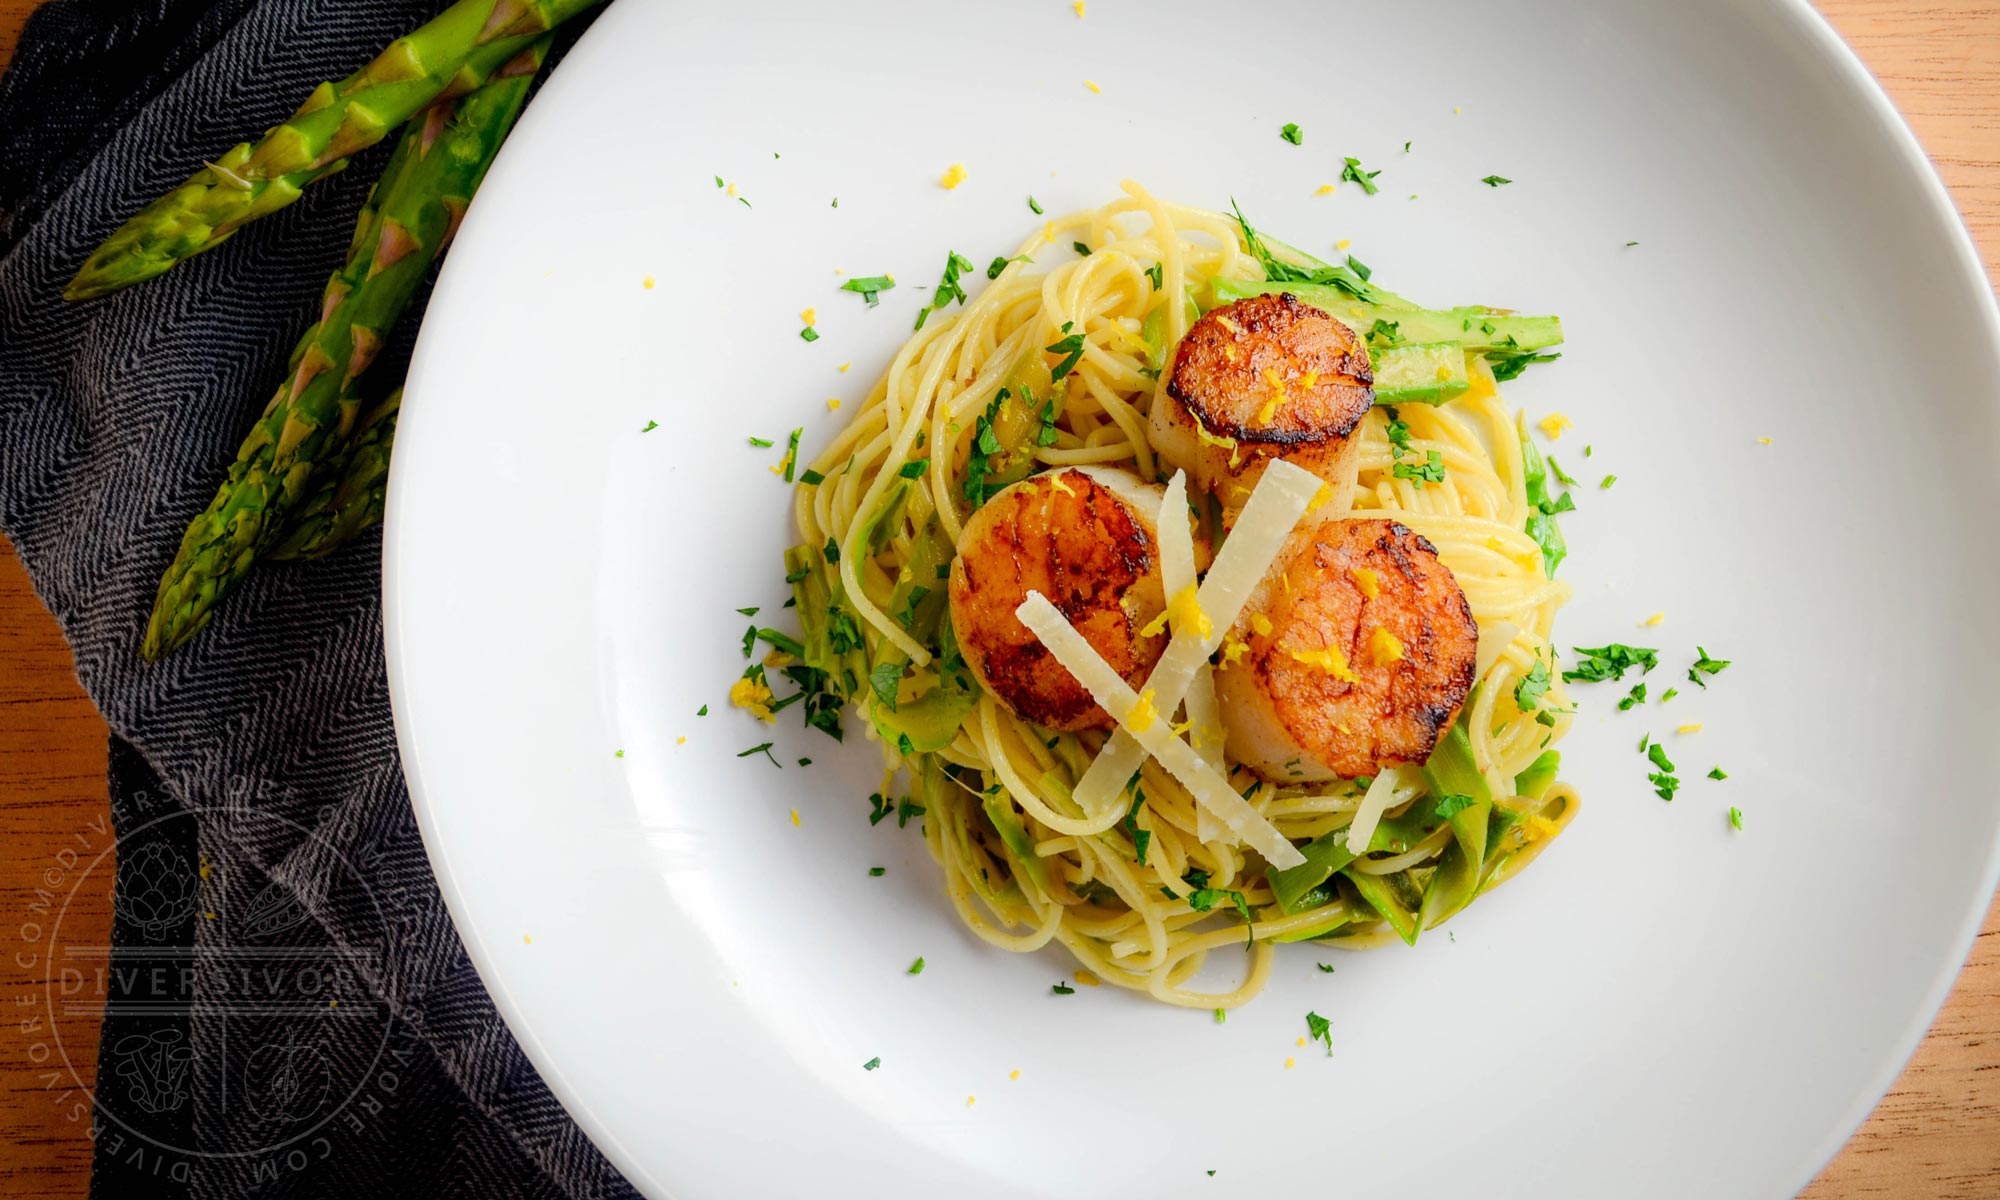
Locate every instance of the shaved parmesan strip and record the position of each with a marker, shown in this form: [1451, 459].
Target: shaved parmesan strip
[1493, 642]
[1205, 714]
[1116, 697]
[1269, 516]
[1374, 803]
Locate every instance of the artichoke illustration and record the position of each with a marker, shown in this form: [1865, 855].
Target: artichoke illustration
[155, 1068]
[159, 891]
[287, 1081]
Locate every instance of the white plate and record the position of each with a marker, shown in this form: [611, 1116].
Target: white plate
[1660, 1007]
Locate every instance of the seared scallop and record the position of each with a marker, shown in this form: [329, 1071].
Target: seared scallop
[1265, 377]
[1360, 651]
[1086, 538]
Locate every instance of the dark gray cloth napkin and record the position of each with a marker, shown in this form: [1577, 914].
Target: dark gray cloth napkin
[288, 1010]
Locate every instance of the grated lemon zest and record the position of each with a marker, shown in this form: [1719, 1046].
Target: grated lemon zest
[1655, 619]
[1092, 85]
[1553, 425]
[1143, 713]
[1330, 659]
[753, 697]
[953, 176]
[1321, 498]
[809, 315]
[1325, 189]
[1260, 624]
[1368, 581]
[1385, 646]
[1694, 728]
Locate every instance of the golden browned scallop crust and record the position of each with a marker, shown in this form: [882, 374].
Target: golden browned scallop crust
[1073, 539]
[1322, 685]
[1264, 377]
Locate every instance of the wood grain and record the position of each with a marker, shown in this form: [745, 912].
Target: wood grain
[1936, 1134]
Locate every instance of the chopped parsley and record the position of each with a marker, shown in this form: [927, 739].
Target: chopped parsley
[702, 711]
[1406, 147]
[914, 468]
[1291, 134]
[1533, 686]
[1360, 268]
[1636, 696]
[748, 612]
[1221, 1016]
[792, 452]
[1717, 773]
[870, 287]
[1610, 662]
[948, 288]
[650, 427]
[999, 264]
[879, 806]
[832, 550]
[1383, 333]
[1508, 364]
[783, 643]
[877, 872]
[718, 181]
[1705, 666]
[1046, 435]
[809, 334]
[1062, 989]
[1141, 838]
[872, 1063]
[917, 967]
[765, 750]
[1326, 967]
[811, 476]
[1081, 249]
[906, 807]
[1450, 806]
[762, 443]
[1561, 475]
[1399, 430]
[1664, 782]
[1669, 694]
[1158, 274]
[1034, 207]
[1495, 180]
[1631, 243]
[1071, 347]
[1352, 173]
[1735, 818]
[1319, 1029]
[1432, 470]
[804, 762]
[749, 640]
[883, 679]
[907, 615]
[1608, 480]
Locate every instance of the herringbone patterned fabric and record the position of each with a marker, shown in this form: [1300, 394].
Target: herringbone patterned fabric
[271, 733]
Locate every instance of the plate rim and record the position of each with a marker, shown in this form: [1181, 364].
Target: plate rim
[1802, 21]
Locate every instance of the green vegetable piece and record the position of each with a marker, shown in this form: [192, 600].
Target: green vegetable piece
[408, 218]
[1014, 835]
[1421, 373]
[460, 49]
[1534, 781]
[349, 489]
[1382, 896]
[1476, 329]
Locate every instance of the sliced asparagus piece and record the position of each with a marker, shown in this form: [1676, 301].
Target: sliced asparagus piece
[457, 51]
[411, 214]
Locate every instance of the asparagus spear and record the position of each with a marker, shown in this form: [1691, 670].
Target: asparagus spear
[347, 491]
[410, 215]
[455, 52]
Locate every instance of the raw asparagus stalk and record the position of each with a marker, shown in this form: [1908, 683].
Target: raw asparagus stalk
[411, 214]
[457, 51]
[347, 491]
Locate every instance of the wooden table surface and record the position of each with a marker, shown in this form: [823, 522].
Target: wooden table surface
[1936, 1134]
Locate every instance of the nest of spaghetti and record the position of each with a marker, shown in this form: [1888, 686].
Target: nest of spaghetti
[1199, 595]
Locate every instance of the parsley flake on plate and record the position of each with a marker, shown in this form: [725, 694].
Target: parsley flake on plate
[1352, 173]
[869, 287]
[1705, 666]
[1063, 989]
[765, 750]
[1291, 134]
[1319, 1029]
[1495, 181]
[1610, 662]
[872, 1063]
[917, 967]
